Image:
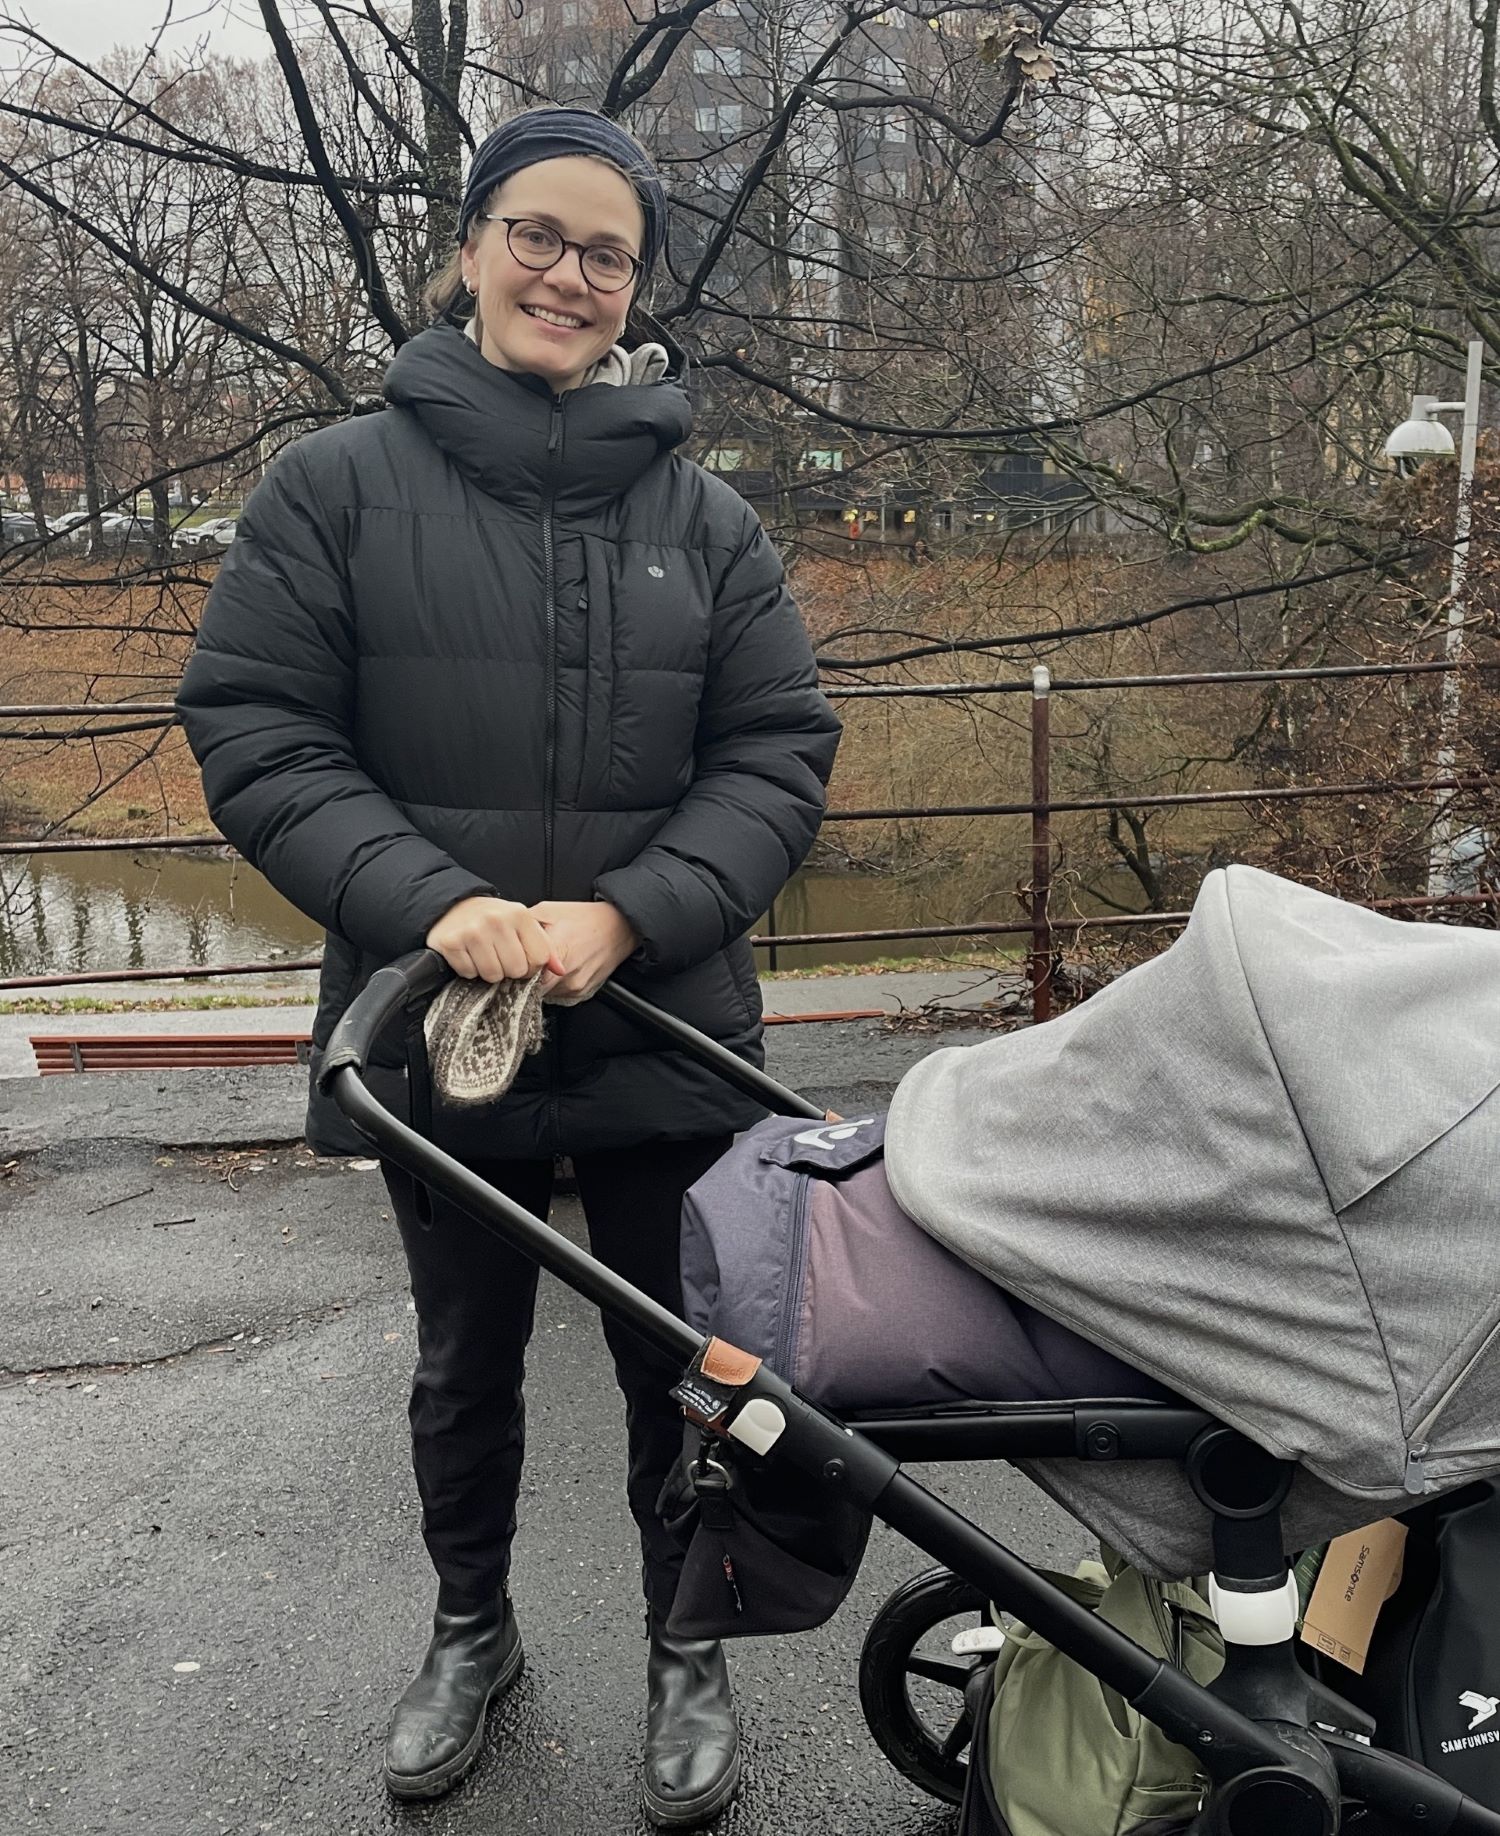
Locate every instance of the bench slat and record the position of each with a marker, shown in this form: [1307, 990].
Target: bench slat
[62, 1053]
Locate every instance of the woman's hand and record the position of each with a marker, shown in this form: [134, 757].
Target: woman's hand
[493, 940]
[592, 937]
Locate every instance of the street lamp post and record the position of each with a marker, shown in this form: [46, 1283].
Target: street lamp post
[1422, 437]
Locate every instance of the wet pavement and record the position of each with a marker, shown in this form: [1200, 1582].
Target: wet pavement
[212, 1584]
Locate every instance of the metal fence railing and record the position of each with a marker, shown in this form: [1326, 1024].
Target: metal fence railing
[1042, 927]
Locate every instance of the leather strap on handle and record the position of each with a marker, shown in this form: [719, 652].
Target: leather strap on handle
[727, 1364]
[708, 1391]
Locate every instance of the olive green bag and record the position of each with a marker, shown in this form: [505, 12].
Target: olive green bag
[1068, 1756]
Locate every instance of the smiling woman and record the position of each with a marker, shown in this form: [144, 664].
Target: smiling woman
[564, 242]
[551, 291]
[499, 671]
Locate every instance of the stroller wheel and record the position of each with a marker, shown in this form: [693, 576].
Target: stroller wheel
[912, 1687]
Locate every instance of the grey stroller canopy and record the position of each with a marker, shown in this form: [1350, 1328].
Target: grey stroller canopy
[1262, 1168]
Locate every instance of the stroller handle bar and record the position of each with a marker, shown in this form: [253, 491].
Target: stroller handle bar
[418, 976]
[415, 977]
[386, 993]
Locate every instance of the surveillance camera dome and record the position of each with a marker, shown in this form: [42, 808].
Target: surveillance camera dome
[1420, 439]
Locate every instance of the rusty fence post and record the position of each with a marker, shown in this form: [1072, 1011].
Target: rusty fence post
[1041, 844]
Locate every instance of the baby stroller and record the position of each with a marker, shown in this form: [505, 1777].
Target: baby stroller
[1282, 1754]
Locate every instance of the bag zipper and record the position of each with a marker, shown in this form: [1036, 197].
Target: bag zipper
[791, 1308]
[1419, 1446]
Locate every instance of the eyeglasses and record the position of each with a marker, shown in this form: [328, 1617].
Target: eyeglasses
[606, 268]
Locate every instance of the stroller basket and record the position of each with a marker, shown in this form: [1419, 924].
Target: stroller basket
[1261, 1733]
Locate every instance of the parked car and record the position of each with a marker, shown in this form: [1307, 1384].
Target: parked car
[121, 530]
[17, 526]
[217, 532]
[71, 526]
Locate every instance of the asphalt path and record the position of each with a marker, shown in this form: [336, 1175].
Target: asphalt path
[212, 1584]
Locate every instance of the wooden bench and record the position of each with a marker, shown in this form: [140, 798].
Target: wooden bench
[60, 1053]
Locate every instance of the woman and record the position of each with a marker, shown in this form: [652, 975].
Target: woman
[498, 671]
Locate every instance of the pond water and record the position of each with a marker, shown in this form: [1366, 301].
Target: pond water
[124, 911]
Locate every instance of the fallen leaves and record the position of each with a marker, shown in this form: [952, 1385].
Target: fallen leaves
[232, 1165]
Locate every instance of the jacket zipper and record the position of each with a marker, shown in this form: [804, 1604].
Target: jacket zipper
[791, 1304]
[549, 779]
[1419, 1444]
[549, 572]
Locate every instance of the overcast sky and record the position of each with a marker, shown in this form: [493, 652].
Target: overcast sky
[87, 27]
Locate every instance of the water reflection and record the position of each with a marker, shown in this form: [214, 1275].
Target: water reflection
[121, 911]
[981, 890]
[112, 911]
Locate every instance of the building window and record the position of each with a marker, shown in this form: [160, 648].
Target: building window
[568, 12]
[575, 73]
[726, 173]
[895, 129]
[719, 60]
[719, 118]
[824, 459]
[724, 458]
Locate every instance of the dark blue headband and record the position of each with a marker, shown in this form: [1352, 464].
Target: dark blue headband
[565, 133]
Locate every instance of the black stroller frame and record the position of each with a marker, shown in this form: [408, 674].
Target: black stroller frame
[1284, 1756]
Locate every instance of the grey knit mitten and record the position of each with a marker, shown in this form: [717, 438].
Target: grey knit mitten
[478, 1033]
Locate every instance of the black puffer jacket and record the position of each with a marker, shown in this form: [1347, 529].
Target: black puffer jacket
[490, 640]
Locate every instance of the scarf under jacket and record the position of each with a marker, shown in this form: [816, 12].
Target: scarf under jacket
[647, 363]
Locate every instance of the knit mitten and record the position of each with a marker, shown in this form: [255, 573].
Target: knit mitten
[478, 1033]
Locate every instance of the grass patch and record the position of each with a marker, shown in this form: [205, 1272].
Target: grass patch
[89, 1004]
[903, 965]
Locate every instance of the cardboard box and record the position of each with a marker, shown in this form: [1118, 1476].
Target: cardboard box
[1359, 1574]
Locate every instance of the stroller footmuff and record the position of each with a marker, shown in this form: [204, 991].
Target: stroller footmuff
[793, 1247]
[795, 1251]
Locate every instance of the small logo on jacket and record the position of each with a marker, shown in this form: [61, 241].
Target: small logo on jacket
[1485, 1709]
[655, 572]
[826, 1139]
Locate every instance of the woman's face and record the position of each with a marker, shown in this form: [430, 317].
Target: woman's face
[552, 324]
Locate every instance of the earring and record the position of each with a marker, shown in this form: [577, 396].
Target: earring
[470, 287]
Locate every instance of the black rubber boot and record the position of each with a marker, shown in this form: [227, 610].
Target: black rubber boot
[439, 1723]
[692, 1739]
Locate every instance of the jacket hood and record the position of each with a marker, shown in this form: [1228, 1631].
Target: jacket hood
[495, 425]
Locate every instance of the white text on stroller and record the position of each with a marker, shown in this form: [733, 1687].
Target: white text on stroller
[1485, 1709]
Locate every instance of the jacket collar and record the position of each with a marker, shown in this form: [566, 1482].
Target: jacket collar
[495, 425]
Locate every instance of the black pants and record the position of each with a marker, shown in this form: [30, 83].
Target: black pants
[475, 1301]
